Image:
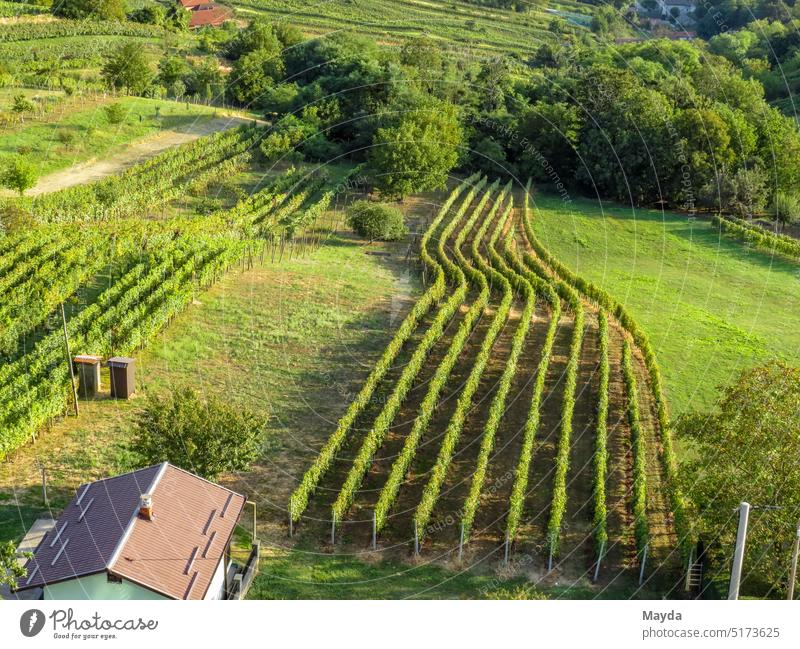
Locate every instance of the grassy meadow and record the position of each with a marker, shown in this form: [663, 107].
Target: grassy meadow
[712, 306]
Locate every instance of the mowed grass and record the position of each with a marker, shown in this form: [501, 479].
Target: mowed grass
[711, 306]
[84, 131]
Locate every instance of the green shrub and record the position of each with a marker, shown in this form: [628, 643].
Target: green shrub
[376, 221]
[115, 113]
[205, 436]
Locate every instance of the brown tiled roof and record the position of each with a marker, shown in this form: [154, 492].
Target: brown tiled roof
[209, 15]
[175, 553]
[188, 4]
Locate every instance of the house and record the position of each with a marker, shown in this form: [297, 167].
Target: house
[156, 533]
[206, 14]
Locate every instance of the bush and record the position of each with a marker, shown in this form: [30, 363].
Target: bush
[376, 221]
[115, 113]
[205, 436]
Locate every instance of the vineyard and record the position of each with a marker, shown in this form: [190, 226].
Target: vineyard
[123, 279]
[518, 410]
[458, 23]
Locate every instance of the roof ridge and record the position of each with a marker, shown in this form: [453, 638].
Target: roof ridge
[119, 475]
[129, 528]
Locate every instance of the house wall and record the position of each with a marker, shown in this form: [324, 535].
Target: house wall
[98, 587]
[216, 589]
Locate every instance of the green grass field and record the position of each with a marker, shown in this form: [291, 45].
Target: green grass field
[56, 142]
[711, 306]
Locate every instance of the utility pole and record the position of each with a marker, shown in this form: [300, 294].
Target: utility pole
[69, 360]
[738, 555]
[795, 552]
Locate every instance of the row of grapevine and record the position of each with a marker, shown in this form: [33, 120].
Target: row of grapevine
[601, 442]
[522, 472]
[151, 183]
[374, 438]
[641, 340]
[308, 484]
[461, 272]
[758, 237]
[640, 526]
[28, 31]
[507, 278]
[451, 436]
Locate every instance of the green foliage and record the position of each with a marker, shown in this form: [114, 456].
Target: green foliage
[786, 207]
[19, 175]
[417, 152]
[115, 113]
[600, 511]
[207, 436]
[128, 69]
[641, 529]
[10, 570]
[95, 9]
[376, 221]
[759, 237]
[746, 449]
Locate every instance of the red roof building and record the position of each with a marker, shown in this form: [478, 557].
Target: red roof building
[159, 532]
[206, 14]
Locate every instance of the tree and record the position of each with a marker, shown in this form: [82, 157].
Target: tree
[153, 14]
[19, 175]
[254, 73]
[128, 68]
[417, 152]
[21, 105]
[376, 221]
[10, 570]
[205, 436]
[97, 9]
[786, 207]
[747, 449]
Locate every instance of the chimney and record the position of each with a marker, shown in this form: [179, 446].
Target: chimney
[146, 507]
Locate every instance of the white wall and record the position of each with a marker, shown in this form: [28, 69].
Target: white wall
[98, 587]
[216, 589]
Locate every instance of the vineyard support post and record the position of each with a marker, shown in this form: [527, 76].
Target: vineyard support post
[44, 486]
[416, 539]
[505, 558]
[550, 560]
[644, 563]
[374, 531]
[69, 360]
[333, 529]
[461, 543]
[738, 555]
[795, 551]
[291, 523]
[599, 559]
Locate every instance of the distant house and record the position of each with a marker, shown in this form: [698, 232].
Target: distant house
[156, 533]
[206, 14]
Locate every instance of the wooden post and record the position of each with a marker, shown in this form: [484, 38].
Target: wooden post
[44, 486]
[644, 563]
[69, 360]
[374, 531]
[599, 559]
[550, 560]
[461, 543]
[416, 539]
[333, 529]
[291, 523]
[790, 594]
[505, 558]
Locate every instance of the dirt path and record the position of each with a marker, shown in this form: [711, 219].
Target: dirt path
[137, 152]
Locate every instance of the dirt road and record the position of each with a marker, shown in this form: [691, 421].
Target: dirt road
[136, 152]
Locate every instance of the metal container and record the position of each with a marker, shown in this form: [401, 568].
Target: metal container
[123, 377]
[88, 368]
